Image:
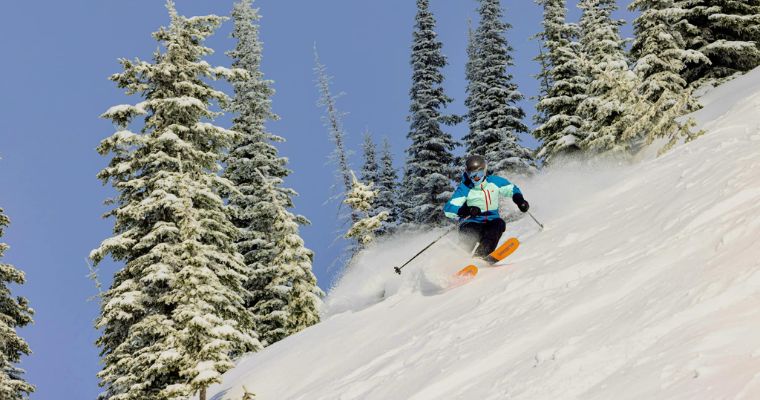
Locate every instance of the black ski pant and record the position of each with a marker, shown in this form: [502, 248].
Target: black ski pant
[486, 233]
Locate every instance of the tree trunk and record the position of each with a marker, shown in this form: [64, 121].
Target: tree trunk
[203, 394]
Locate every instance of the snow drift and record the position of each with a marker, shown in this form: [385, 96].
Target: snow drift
[645, 285]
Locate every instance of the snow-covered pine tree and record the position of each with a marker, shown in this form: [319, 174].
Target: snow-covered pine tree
[429, 168]
[544, 79]
[387, 197]
[175, 314]
[494, 116]
[252, 104]
[560, 130]
[260, 202]
[471, 71]
[608, 111]
[334, 122]
[285, 297]
[255, 151]
[370, 173]
[600, 40]
[660, 57]
[725, 31]
[14, 313]
[370, 170]
[361, 199]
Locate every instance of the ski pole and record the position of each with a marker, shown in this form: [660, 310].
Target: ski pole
[398, 269]
[472, 253]
[534, 219]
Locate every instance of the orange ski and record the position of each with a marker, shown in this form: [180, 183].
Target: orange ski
[463, 276]
[505, 250]
[467, 272]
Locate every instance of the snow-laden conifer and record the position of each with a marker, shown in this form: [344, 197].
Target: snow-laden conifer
[566, 84]
[659, 50]
[388, 186]
[429, 167]
[285, 297]
[14, 313]
[608, 111]
[333, 120]
[495, 118]
[175, 313]
[370, 169]
[260, 202]
[370, 172]
[252, 104]
[661, 57]
[361, 199]
[727, 32]
[544, 79]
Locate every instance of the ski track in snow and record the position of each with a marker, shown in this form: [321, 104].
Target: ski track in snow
[644, 285]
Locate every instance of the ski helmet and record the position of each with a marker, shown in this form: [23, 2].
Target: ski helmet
[475, 166]
[474, 163]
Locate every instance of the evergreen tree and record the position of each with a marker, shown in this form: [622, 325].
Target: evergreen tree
[658, 49]
[387, 197]
[370, 173]
[429, 166]
[565, 81]
[494, 116]
[727, 32]
[334, 122]
[361, 199]
[260, 202]
[544, 80]
[175, 314]
[608, 111]
[471, 68]
[14, 313]
[661, 56]
[285, 298]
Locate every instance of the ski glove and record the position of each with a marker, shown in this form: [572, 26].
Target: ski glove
[466, 211]
[522, 204]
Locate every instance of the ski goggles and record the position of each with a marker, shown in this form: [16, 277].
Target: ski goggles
[477, 175]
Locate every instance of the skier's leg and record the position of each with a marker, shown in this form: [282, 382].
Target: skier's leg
[491, 234]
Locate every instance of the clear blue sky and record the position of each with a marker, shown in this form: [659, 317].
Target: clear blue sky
[57, 56]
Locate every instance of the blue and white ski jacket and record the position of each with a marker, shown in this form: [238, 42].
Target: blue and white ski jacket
[484, 195]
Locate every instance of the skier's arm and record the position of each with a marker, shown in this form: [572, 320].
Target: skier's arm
[509, 189]
[506, 188]
[457, 201]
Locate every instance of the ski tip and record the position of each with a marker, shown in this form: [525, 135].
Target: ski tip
[468, 271]
[464, 275]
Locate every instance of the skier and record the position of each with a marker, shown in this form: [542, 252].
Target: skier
[476, 204]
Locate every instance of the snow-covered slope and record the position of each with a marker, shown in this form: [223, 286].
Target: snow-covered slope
[644, 285]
